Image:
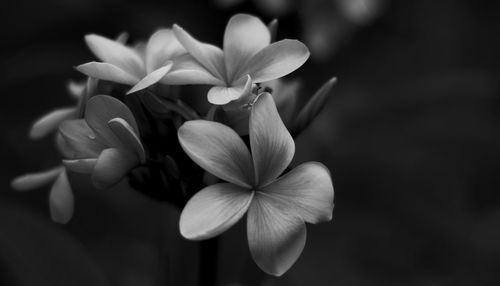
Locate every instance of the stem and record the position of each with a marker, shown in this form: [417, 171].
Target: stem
[208, 262]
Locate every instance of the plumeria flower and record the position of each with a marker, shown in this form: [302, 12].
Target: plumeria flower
[105, 143]
[140, 67]
[50, 121]
[247, 57]
[277, 207]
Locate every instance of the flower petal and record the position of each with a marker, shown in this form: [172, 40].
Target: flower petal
[80, 139]
[276, 60]
[128, 137]
[115, 53]
[221, 95]
[112, 165]
[50, 121]
[276, 238]
[213, 210]
[210, 56]
[271, 143]
[245, 35]
[100, 110]
[187, 70]
[83, 166]
[32, 181]
[109, 72]
[61, 200]
[152, 78]
[217, 149]
[162, 46]
[308, 190]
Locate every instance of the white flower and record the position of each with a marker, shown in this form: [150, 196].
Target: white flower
[132, 66]
[248, 56]
[277, 207]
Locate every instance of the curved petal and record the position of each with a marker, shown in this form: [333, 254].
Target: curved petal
[210, 56]
[162, 46]
[245, 35]
[307, 190]
[221, 95]
[83, 166]
[272, 145]
[187, 70]
[150, 79]
[112, 165]
[100, 110]
[217, 149]
[128, 137]
[115, 53]
[61, 201]
[213, 210]
[80, 139]
[109, 72]
[50, 121]
[32, 181]
[276, 238]
[276, 60]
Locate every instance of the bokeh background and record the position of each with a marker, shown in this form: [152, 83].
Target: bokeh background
[411, 133]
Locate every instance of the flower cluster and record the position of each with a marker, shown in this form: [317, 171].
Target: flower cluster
[132, 121]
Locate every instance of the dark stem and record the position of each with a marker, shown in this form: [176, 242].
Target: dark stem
[208, 262]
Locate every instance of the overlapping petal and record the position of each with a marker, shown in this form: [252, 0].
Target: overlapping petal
[187, 70]
[127, 135]
[275, 61]
[307, 190]
[221, 95]
[80, 139]
[115, 53]
[106, 71]
[276, 238]
[245, 35]
[161, 47]
[61, 200]
[217, 149]
[213, 210]
[83, 166]
[271, 143]
[210, 56]
[32, 181]
[152, 78]
[111, 166]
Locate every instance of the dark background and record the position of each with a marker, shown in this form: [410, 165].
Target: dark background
[411, 134]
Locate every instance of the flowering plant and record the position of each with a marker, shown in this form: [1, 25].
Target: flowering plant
[133, 122]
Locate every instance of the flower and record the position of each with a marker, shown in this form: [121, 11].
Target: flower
[277, 207]
[50, 121]
[105, 143]
[247, 57]
[140, 67]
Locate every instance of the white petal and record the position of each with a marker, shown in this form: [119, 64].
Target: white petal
[217, 149]
[115, 53]
[109, 72]
[152, 78]
[80, 139]
[213, 210]
[162, 46]
[245, 35]
[51, 121]
[276, 238]
[61, 201]
[187, 70]
[112, 165]
[272, 145]
[221, 95]
[32, 181]
[276, 60]
[128, 137]
[100, 110]
[83, 166]
[76, 89]
[307, 190]
[211, 57]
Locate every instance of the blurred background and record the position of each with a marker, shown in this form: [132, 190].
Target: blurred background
[411, 133]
